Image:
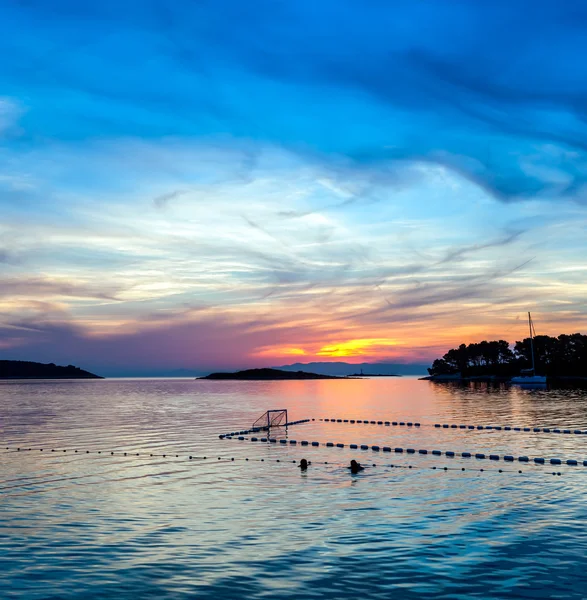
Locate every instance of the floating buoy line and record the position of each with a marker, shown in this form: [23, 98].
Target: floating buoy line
[417, 425]
[224, 460]
[399, 450]
[264, 428]
[457, 426]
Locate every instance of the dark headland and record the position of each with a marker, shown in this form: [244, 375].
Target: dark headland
[267, 375]
[21, 369]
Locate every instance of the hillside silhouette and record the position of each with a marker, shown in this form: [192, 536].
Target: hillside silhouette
[20, 369]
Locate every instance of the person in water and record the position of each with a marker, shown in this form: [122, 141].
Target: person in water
[355, 467]
[303, 464]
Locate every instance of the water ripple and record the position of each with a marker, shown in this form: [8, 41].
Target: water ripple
[75, 526]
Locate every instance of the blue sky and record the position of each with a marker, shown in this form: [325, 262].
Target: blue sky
[216, 184]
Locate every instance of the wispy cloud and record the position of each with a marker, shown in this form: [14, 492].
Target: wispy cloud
[330, 175]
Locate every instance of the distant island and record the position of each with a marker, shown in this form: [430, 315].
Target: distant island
[343, 369]
[21, 369]
[267, 375]
[361, 374]
[562, 357]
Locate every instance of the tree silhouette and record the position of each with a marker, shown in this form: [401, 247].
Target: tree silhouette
[554, 356]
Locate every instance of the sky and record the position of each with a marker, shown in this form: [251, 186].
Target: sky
[218, 184]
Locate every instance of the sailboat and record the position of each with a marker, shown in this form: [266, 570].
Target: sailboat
[528, 376]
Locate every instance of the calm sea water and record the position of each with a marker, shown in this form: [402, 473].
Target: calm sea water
[78, 525]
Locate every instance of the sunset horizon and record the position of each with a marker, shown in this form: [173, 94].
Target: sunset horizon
[293, 299]
[373, 197]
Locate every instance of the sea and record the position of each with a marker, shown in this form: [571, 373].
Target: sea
[122, 488]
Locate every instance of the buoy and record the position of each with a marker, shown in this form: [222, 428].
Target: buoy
[315, 443]
[398, 450]
[479, 426]
[263, 439]
[401, 423]
[386, 449]
[423, 451]
[352, 420]
[523, 459]
[577, 432]
[566, 431]
[508, 428]
[283, 441]
[536, 429]
[410, 451]
[555, 461]
[471, 426]
[394, 422]
[417, 424]
[498, 428]
[539, 461]
[479, 455]
[462, 427]
[293, 442]
[329, 444]
[409, 424]
[340, 445]
[449, 453]
[436, 424]
[508, 457]
[436, 452]
[445, 426]
[493, 457]
[466, 455]
[364, 447]
[453, 426]
[517, 429]
[376, 448]
[353, 446]
[387, 423]
[379, 422]
[304, 443]
[546, 430]
[273, 440]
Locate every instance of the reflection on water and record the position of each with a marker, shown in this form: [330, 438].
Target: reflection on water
[77, 525]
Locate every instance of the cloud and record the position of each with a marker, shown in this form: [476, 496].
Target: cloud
[377, 84]
[31, 287]
[327, 174]
[164, 199]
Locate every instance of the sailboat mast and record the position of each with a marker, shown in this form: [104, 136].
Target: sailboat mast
[531, 341]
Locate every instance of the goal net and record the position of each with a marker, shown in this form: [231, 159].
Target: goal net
[271, 418]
